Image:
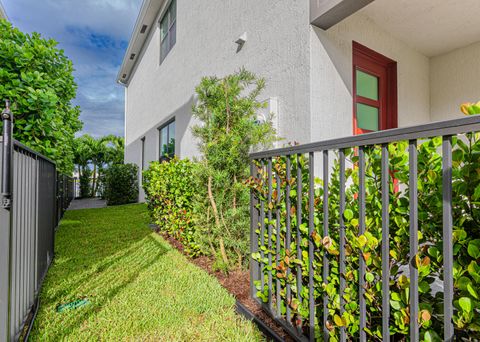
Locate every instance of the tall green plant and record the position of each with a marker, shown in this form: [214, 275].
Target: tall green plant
[228, 130]
[37, 77]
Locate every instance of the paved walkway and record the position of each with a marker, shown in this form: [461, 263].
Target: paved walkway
[87, 203]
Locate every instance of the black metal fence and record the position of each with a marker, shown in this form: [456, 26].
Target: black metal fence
[342, 256]
[34, 197]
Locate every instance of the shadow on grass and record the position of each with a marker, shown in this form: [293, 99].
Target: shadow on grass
[98, 254]
[134, 261]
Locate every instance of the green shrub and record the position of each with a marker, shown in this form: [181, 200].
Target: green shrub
[37, 76]
[121, 184]
[169, 190]
[428, 259]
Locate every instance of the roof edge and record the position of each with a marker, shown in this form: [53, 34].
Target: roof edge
[138, 38]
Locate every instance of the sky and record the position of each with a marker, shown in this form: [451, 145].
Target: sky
[94, 34]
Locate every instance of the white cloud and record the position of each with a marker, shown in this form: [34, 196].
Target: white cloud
[94, 34]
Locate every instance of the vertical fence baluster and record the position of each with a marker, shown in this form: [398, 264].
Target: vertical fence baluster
[299, 234]
[277, 256]
[412, 184]
[342, 240]
[385, 245]
[269, 204]
[21, 249]
[361, 276]
[262, 230]
[447, 237]
[288, 238]
[311, 228]
[254, 265]
[325, 234]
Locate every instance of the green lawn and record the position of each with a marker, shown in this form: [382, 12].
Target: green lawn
[138, 286]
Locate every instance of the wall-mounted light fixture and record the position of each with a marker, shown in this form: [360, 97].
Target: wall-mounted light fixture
[144, 28]
[241, 41]
[132, 56]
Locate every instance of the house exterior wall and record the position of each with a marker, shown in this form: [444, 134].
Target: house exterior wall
[454, 79]
[277, 49]
[308, 71]
[331, 76]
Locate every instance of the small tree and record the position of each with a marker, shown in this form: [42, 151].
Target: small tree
[227, 109]
[37, 77]
[100, 153]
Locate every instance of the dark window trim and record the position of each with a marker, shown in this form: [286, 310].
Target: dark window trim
[362, 58]
[159, 128]
[143, 153]
[165, 13]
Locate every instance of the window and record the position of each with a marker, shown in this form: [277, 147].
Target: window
[168, 30]
[374, 91]
[143, 153]
[167, 140]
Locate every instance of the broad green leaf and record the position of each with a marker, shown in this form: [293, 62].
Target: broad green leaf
[466, 304]
[348, 214]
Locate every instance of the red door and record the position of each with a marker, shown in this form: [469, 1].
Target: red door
[374, 91]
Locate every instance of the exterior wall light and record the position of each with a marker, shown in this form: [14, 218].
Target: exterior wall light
[241, 41]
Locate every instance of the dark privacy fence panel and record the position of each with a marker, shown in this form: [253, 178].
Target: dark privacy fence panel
[39, 197]
[371, 237]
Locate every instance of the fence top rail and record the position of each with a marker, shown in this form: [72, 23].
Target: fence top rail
[18, 144]
[441, 128]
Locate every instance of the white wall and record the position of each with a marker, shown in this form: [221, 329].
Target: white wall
[454, 79]
[277, 49]
[206, 32]
[331, 77]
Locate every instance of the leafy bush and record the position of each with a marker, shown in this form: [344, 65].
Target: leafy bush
[428, 259]
[38, 78]
[121, 184]
[169, 189]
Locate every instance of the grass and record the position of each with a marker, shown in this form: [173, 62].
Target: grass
[139, 287]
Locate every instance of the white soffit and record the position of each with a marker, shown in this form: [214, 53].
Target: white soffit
[432, 27]
[145, 22]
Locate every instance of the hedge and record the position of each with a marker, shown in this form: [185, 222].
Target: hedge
[169, 193]
[121, 184]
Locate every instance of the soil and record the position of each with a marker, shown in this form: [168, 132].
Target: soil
[237, 282]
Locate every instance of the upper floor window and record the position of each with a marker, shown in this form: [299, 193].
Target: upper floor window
[168, 30]
[167, 140]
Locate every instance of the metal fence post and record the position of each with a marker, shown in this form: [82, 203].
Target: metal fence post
[254, 265]
[6, 224]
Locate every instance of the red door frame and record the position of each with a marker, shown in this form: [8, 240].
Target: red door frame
[385, 69]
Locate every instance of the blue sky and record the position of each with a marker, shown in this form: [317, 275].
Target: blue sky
[94, 35]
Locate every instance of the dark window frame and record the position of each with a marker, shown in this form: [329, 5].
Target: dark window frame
[170, 36]
[166, 126]
[374, 63]
[143, 153]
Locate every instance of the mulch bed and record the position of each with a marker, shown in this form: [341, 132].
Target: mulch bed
[237, 282]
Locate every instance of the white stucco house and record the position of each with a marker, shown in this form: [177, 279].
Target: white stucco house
[333, 67]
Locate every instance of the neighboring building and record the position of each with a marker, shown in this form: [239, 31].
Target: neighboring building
[3, 14]
[333, 68]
